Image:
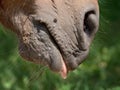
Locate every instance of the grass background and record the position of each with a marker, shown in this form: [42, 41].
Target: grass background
[101, 70]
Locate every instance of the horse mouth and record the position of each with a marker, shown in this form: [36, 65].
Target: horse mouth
[64, 55]
[50, 44]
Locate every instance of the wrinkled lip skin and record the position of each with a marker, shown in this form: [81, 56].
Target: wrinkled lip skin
[51, 46]
[61, 47]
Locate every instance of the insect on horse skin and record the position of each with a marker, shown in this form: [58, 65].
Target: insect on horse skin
[56, 33]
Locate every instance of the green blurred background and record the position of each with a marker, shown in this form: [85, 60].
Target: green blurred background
[101, 70]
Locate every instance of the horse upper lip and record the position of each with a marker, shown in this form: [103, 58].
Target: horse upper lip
[70, 52]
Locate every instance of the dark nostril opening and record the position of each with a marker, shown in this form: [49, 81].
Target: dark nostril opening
[90, 23]
[40, 26]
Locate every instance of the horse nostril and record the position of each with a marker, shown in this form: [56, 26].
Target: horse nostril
[90, 23]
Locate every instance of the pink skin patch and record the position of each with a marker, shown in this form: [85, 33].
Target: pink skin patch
[63, 71]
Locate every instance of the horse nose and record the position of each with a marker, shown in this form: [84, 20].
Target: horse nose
[91, 23]
[88, 26]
